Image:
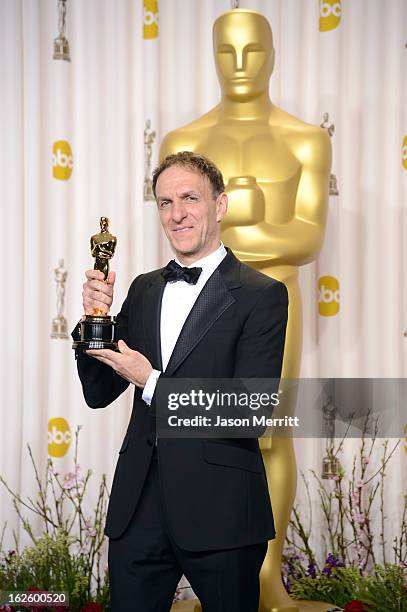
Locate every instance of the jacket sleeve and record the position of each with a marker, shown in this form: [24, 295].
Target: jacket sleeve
[100, 383]
[260, 349]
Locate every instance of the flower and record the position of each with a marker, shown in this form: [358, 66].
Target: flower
[358, 517]
[92, 606]
[90, 527]
[355, 606]
[312, 571]
[73, 479]
[34, 589]
[330, 563]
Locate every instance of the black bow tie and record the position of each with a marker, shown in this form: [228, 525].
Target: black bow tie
[175, 272]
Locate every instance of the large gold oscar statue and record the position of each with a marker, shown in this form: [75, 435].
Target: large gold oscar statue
[277, 172]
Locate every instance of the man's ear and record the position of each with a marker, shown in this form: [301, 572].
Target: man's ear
[221, 206]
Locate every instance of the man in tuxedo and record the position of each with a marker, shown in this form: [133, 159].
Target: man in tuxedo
[197, 507]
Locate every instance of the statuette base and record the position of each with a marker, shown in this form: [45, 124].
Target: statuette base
[97, 332]
[59, 328]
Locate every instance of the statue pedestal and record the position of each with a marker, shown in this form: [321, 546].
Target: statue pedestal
[314, 606]
[188, 605]
[193, 605]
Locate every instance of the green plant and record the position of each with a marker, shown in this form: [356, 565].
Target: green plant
[383, 591]
[67, 556]
[338, 588]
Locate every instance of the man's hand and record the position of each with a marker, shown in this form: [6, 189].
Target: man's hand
[97, 293]
[129, 364]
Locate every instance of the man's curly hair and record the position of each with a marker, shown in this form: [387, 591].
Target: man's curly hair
[196, 163]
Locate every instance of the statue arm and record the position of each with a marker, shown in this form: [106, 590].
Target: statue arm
[299, 241]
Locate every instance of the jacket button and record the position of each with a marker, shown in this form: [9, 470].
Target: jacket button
[150, 441]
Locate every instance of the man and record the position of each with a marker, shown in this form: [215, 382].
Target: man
[187, 506]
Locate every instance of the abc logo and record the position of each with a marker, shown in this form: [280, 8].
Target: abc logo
[150, 19]
[404, 153]
[59, 437]
[330, 12]
[62, 160]
[328, 296]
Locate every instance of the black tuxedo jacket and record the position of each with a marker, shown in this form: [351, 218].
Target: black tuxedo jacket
[215, 491]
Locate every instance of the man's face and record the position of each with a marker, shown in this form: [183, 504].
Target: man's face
[189, 212]
[244, 54]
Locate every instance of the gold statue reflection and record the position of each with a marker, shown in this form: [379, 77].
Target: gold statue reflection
[277, 170]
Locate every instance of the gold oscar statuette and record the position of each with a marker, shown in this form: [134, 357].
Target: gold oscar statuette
[97, 329]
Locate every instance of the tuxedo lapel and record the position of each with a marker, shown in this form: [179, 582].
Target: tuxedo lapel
[152, 301]
[211, 303]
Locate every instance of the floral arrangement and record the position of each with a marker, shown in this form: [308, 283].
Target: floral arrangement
[356, 572]
[68, 555]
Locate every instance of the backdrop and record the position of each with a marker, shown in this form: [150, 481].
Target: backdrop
[72, 149]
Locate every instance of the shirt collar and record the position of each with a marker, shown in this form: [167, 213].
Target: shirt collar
[210, 262]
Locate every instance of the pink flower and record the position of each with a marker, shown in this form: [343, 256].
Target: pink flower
[355, 498]
[89, 527]
[365, 460]
[358, 517]
[73, 479]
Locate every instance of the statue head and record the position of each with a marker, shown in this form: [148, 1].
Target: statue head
[104, 224]
[244, 53]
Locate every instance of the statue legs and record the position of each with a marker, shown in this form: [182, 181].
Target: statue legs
[279, 461]
[281, 469]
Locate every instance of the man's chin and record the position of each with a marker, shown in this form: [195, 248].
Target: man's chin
[185, 250]
[184, 246]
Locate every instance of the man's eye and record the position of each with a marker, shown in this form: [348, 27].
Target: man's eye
[163, 203]
[192, 198]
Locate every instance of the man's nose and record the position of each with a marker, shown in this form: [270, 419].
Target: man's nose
[178, 211]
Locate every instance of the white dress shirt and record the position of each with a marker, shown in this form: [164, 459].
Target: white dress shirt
[178, 299]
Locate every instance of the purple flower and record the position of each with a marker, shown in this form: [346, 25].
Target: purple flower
[330, 563]
[312, 571]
